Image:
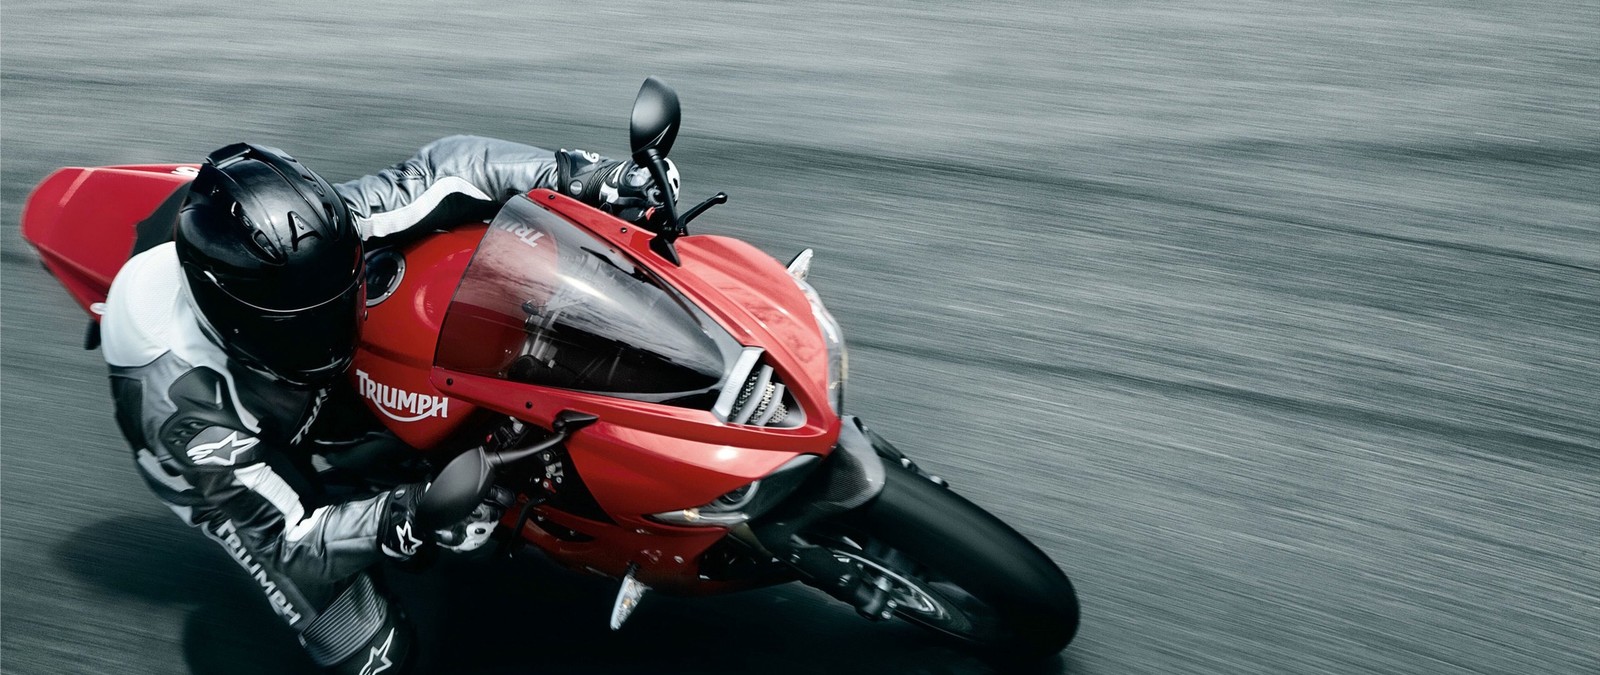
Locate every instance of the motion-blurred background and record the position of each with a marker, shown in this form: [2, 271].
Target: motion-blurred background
[1275, 324]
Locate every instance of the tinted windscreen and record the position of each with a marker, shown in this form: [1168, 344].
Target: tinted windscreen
[546, 303]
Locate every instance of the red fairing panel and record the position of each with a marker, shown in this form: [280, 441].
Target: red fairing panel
[682, 461]
[667, 558]
[633, 472]
[82, 221]
[763, 301]
[392, 365]
[685, 459]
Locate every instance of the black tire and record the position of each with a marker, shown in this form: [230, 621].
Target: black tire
[1005, 596]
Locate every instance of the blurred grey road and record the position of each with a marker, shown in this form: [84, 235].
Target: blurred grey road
[1275, 324]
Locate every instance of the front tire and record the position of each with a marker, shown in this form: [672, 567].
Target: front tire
[955, 569]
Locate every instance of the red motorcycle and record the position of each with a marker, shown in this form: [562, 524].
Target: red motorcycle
[669, 408]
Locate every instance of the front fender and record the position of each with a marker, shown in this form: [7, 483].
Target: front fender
[855, 473]
[851, 477]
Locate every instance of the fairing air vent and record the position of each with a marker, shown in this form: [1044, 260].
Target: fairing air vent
[754, 394]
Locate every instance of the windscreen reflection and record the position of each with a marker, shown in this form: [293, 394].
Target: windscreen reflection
[544, 302]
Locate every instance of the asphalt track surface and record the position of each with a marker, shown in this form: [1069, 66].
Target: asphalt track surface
[1275, 325]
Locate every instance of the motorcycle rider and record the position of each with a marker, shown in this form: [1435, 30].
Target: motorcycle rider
[225, 344]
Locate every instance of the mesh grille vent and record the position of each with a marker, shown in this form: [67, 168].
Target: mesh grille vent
[763, 401]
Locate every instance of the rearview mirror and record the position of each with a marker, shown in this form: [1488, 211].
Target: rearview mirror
[460, 487]
[653, 129]
[654, 125]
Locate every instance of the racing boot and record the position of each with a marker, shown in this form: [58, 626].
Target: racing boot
[360, 633]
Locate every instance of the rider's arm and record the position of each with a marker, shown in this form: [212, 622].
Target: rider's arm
[448, 182]
[214, 458]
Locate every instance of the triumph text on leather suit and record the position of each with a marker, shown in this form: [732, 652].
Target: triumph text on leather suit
[226, 343]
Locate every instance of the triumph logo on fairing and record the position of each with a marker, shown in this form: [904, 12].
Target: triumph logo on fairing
[401, 405]
[228, 534]
[527, 234]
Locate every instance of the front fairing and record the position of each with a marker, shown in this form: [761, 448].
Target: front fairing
[614, 331]
[546, 303]
[562, 296]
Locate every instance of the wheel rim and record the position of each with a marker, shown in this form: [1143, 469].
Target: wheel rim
[922, 596]
[907, 595]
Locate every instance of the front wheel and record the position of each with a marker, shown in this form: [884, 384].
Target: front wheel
[929, 556]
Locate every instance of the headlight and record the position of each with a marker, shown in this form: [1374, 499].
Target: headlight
[832, 335]
[747, 501]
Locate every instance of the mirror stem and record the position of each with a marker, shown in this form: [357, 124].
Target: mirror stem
[658, 170]
[504, 458]
[662, 244]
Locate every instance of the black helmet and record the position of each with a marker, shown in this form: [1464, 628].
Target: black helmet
[273, 263]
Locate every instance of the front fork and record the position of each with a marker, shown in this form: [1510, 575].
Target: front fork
[853, 476]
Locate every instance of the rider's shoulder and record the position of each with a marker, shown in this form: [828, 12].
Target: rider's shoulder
[146, 314]
[156, 269]
[141, 307]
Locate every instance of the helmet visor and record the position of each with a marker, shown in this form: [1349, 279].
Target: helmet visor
[306, 346]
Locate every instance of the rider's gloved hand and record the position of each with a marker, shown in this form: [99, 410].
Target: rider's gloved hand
[474, 531]
[401, 539]
[618, 187]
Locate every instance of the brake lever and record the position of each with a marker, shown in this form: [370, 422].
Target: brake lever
[718, 198]
[502, 458]
[566, 423]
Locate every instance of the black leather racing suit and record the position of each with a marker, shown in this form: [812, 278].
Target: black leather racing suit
[227, 449]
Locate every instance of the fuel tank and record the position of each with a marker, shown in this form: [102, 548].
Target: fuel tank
[408, 290]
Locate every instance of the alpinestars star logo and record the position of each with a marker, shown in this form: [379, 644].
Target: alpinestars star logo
[408, 543]
[223, 452]
[378, 661]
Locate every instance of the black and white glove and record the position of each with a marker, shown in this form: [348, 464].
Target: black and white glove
[400, 539]
[618, 187]
[473, 531]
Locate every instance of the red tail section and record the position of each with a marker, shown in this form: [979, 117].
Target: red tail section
[84, 221]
